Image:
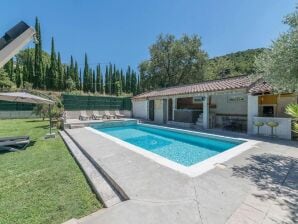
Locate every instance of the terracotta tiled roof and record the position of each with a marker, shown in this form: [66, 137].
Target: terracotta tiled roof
[208, 86]
[260, 87]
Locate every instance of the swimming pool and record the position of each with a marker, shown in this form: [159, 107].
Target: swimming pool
[189, 152]
[181, 148]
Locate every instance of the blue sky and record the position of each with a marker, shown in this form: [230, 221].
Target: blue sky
[121, 31]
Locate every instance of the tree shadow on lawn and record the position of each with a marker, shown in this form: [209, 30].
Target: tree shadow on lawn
[46, 126]
[277, 177]
[36, 120]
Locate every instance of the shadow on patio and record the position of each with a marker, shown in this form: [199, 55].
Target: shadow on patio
[276, 177]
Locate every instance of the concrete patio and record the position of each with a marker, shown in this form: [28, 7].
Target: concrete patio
[258, 186]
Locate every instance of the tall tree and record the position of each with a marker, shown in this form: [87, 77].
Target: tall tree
[30, 70]
[86, 75]
[60, 72]
[38, 63]
[5, 82]
[279, 64]
[93, 82]
[134, 83]
[139, 85]
[102, 88]
[71, 69]
[18, 75]
[122, 81]
[110, 79]
[80, 80]
[128, 80]
[98, 79]
[76, 76]
[174, 61]
[10, 70]
[107, 81]
[52, 73]
[117, 88]
[113, 80]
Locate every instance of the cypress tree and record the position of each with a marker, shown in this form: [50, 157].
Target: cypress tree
[107, 81]
[52, 76]
[71, 69]
[76, 75]
[133, 83]
[66, 75]
[102, 90]
[139, 85]
[9, 69]
[86, 75]
[113, 79]
[30, 68]
[80, 81]
[110, 79]
[47, 77]
[61, 80]
[38, 64]
[118, 89]
[18, 75]
[122, 81]
[93, 82]
[90, 81]
[128, 80]
[98, 79]
[25, 68]
[42, 84]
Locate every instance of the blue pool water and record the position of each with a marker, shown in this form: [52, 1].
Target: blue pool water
[182, 148]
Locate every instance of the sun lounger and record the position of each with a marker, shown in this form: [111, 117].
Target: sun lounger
[14, 138]
[108, 115]
[96, 115]
[14, 145]
[83, 115]
[118, 115]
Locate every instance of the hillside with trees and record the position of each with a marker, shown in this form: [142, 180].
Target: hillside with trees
[233, 64]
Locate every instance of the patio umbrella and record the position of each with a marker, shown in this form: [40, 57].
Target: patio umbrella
[24, 97]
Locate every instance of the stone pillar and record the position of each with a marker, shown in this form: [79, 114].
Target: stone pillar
[206, 112]
[252, 111]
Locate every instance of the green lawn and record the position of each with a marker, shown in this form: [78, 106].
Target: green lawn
[41, 184]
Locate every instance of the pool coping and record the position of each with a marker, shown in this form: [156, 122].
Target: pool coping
[196, 169]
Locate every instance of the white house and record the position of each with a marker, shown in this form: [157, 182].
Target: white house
[232, 103]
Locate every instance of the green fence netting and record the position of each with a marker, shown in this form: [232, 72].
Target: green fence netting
[13, 106]
[76, 102]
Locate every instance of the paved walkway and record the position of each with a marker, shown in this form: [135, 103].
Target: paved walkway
[259, 186]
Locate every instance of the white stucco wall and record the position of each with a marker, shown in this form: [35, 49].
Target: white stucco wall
[140, 109]
[225, 107]
[283, 130]
[252, 111]
[158, 111]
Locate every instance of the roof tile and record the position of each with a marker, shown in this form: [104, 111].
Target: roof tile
[208, 86]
